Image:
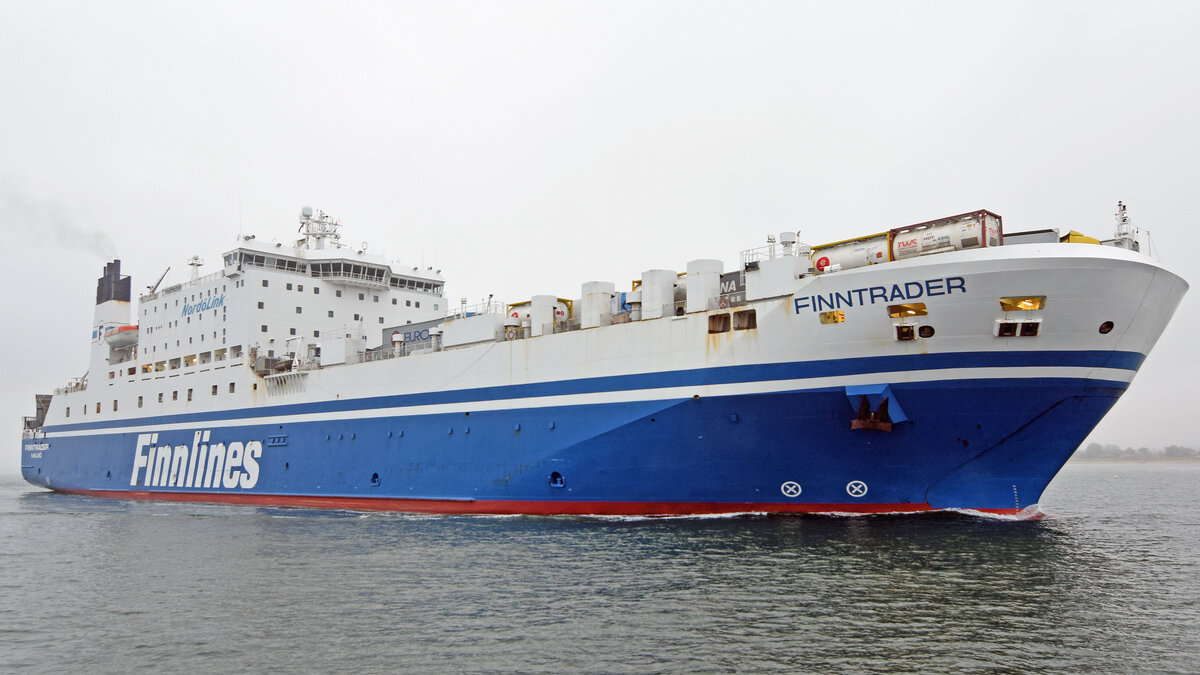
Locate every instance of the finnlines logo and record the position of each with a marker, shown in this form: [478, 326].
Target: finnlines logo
[200, 466]
[868, 296]
[203, 305]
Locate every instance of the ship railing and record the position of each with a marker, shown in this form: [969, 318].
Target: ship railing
[176, 287]
[486, 307]
[73, 386]
[353, 279]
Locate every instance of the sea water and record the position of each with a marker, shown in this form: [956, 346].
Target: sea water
[1109, 582]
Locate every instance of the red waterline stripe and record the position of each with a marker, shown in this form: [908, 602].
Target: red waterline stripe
[506, 507]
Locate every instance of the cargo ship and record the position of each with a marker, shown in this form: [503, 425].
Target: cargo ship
[940, 365]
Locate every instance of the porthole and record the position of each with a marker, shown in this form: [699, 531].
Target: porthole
[925, 331]
[375, 480]
[556, 480]
[1106, 327]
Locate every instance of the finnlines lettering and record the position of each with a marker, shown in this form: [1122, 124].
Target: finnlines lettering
[201, 466]
[203, 304]
[859, 297]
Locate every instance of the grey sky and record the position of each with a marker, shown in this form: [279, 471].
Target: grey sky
[524, 148]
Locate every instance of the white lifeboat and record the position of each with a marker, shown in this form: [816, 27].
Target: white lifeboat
[121, 336]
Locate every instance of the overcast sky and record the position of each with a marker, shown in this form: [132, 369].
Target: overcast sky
[526, 147]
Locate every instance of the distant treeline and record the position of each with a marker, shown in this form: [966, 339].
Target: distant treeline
[1109, 451]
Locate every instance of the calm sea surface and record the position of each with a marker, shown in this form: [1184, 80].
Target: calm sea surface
[1111, 583]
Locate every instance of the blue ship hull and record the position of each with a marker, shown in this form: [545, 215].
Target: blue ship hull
[985, 444]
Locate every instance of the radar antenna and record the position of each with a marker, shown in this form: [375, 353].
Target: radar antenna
[317, 228]
[1127, 233]
[195, 262]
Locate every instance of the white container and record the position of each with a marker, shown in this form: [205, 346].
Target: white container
[703, 283]
[596, 304]
[658, 293]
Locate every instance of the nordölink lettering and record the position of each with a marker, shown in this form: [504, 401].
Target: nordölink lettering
[201, 466]
[859, 297]
[203, 304]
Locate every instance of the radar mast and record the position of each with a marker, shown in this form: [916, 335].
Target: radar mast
[317, 228]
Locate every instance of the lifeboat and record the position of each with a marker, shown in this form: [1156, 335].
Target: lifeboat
[121, 336]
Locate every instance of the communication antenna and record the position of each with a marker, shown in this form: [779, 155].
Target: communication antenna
[318, 227]
[1127, 233]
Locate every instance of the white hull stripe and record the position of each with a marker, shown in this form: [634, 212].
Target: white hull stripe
[1095, 376]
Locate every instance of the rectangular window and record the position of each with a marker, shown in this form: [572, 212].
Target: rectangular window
[362, 296]
[1006, 328]
[718, 323]
[299, 310]
[260, 305]
[907, 310]
[337, 293]
[214, 390]
[393, 301]
[97, 407]
[160, 397]
[289, 287]
[316, 290]
[264, 283]
[299, 288]
[408, 303]
[175, 395]
[292, 331]
[231, 387]
[381, 319]
[827, 318]
[114, 405]
[1023, 303]
[189, 394]
[376, 298]
[139, 401]
[417, 304]
[331, 313]
[745, 320]
[316, 333]
[1030, 328]
[68, 412]
[356, 317]
[264, 328]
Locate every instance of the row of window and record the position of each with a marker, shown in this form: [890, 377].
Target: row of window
[332, 270]
[208, 293]
[338, 293]
[141, 402]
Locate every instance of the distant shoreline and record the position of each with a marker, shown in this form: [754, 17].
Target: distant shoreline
[1127, 460]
